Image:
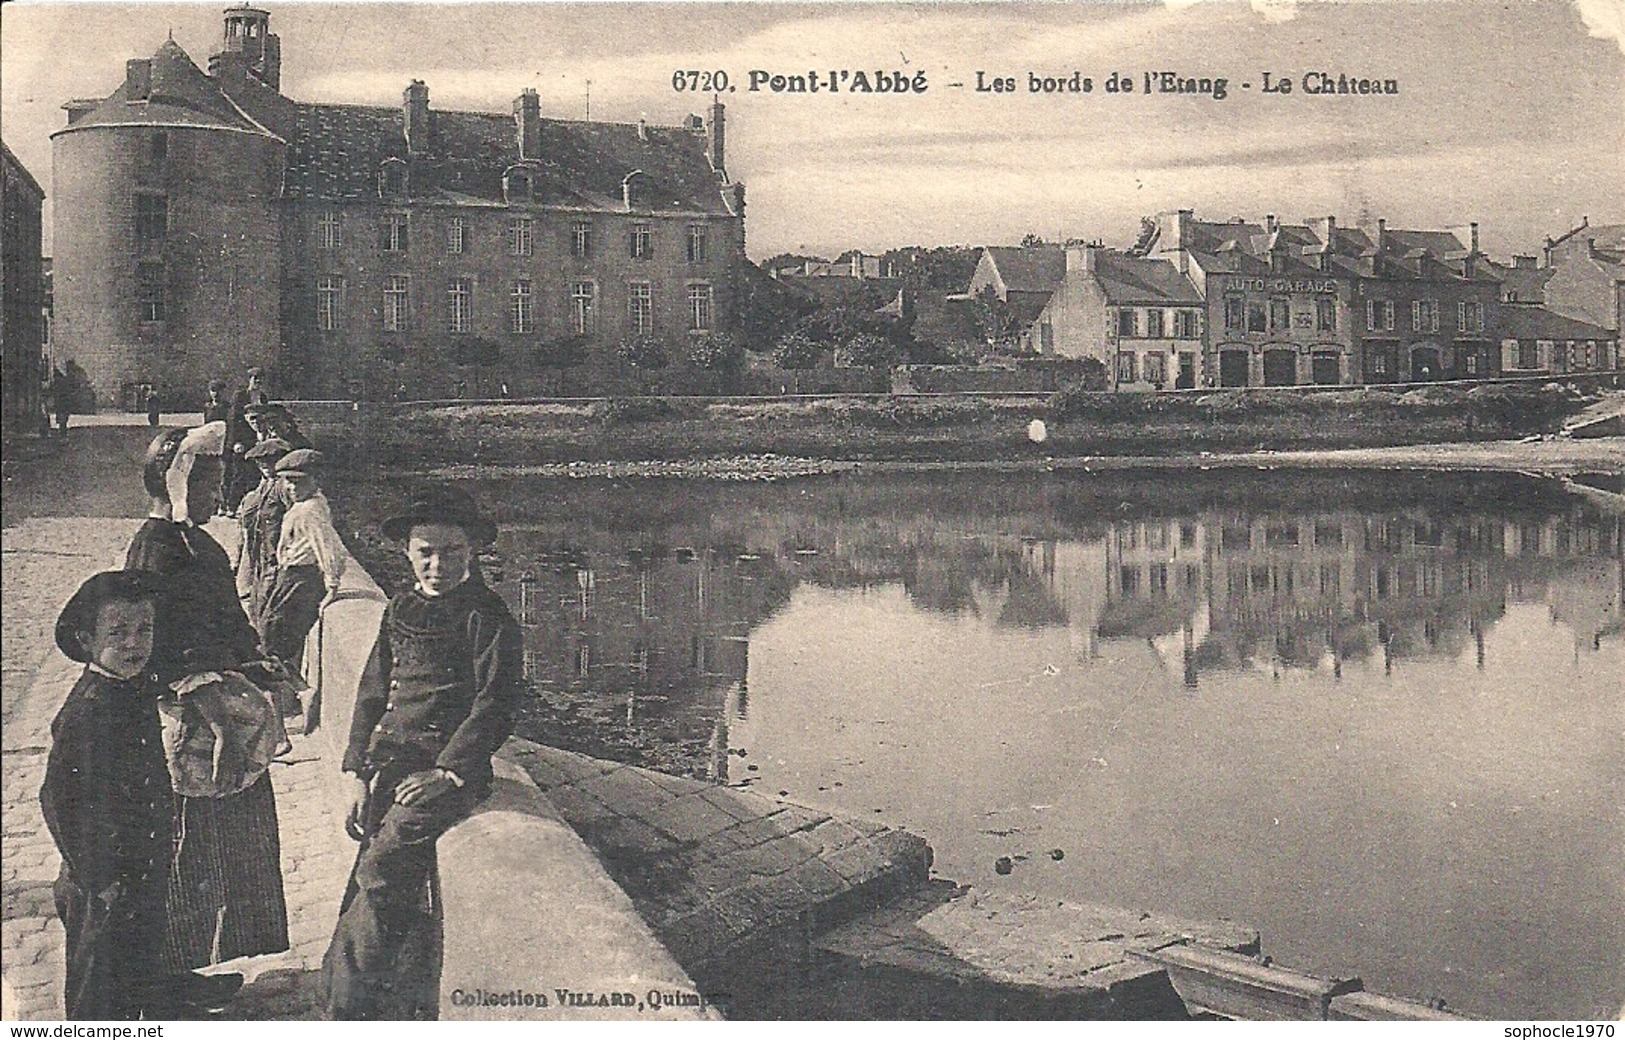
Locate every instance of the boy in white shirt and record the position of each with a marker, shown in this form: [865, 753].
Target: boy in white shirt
[310, 561]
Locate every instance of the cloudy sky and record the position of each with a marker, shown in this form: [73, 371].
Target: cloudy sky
[1510, 113]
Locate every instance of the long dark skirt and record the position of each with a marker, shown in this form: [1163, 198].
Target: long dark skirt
[225, 895]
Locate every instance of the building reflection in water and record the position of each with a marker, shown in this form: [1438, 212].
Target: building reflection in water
[637, 641]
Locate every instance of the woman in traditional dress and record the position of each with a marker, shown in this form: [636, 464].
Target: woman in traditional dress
[225, 897]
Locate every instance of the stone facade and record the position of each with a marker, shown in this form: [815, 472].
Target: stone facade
[206, 222]
[1587, 280]
[22, 297]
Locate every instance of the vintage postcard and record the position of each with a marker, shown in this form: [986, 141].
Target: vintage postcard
[814, 511]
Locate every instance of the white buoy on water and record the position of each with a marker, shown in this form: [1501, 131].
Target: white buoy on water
[1037, 432]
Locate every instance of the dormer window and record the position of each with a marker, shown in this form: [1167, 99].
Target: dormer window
[392, 178]
[517, 185]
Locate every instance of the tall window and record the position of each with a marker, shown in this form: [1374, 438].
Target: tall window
[1126, 370]
[456, 235]
[459, 305]
[149, 278]
[1156, 370]
[151, 222]
[1185, 325]
[1128, 322]
[696, 243]
[1388, 315]
[1325, 315]
[1256, 317]
[392, 178]
[1280, 313]
[639, 243]
[521, 317]
[396, 316]
[581, 307]
[581, 239]
[519, 236]
[1153, 323]
[1425, 316]
[392, 233]
[1469, 317]
[329, 298]
[1235, 311]
[327, 231]
[699, 307]
[641, 307]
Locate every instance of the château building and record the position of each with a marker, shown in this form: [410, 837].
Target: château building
[206, 222]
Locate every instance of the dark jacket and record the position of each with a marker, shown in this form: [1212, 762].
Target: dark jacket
[106, 796]
[201, 624]
[441, 686]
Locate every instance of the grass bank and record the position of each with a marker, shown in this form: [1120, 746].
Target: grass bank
[950, 429]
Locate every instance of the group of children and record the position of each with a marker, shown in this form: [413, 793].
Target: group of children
[435, 702]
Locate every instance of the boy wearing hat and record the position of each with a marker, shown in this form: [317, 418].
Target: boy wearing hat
[309, 561]
[435, 702]
[106, 800]
[278, 422]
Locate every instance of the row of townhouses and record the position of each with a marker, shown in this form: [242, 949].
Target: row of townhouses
[1239, 303]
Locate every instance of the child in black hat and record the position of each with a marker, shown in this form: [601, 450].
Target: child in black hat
[435, 702]
[107, 802]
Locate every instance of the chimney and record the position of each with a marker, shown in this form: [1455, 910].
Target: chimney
[137, 79]
[1474, 234]
[714, 138]
[1081, 257]
[1269, 223]
[78, 108]
[415, 117]
[643, 129]
[527, 118]
[1382, 233]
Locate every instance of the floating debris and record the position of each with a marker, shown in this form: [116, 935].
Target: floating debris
[1057, 854]
[1003, 865]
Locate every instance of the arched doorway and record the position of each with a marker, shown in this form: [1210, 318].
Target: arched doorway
[1281, 367]
[1233, 367]
[1425, 365]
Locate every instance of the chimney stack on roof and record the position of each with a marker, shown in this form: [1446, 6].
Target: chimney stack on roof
[415, 116]
[137, 79]
[1269, 223]
[527, 118]
[1082, 257]
[715, 138]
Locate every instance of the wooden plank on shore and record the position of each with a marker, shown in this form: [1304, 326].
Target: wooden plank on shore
[1245, 988]
[1374, 1007]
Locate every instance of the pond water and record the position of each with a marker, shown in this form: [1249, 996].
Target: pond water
[1379, 717]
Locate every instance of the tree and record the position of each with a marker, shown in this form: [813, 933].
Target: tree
[993, 319]
[643, 351]
[796, 351]
[1148, 231]
[560, 354]
[714, 352]
[1032, 238]
[866, 350]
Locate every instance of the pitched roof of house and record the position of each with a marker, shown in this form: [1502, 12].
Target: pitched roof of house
[1525, 284]
[1133, 279]
[337, 151]
[179, 94]
[1028, 269]
[1531, 321]
[1604, 236]
[19, 170]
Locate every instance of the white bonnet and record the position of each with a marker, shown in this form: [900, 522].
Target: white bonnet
[208, 439]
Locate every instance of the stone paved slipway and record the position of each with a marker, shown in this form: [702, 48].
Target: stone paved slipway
[45, 559]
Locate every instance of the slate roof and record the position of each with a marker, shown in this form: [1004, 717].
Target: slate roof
[1610, 237]
[1528, 284]
[1132, 279]
[180, 94]
[1029, 269]
[337, 151]
[1530, 321]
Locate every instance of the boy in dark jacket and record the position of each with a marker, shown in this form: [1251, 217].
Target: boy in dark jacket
[106, 800]
[435, 702]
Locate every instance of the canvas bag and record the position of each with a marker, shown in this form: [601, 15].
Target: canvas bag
[220, 733]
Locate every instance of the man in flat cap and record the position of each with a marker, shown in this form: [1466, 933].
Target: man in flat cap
[260, 520]
[277, 421]
[435, 702]
[240, 436]
[310, 560]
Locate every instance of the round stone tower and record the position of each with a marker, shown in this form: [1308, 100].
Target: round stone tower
[166, 232]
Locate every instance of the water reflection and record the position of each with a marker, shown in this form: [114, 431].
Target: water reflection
[1377, 716]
